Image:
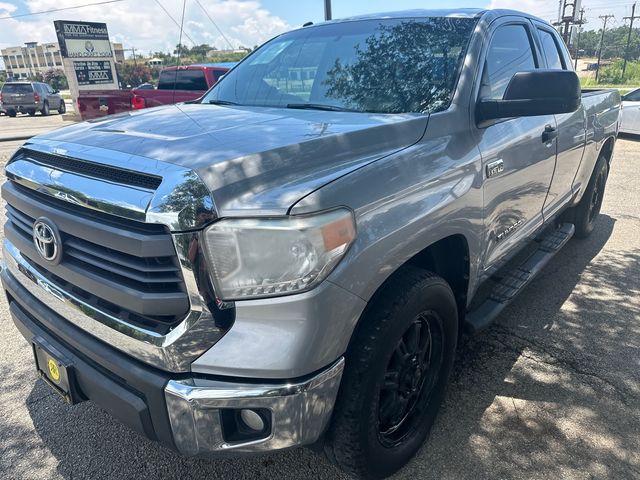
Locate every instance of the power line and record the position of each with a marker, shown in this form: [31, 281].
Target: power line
[176, 22]
[215, 24]
[59, 9]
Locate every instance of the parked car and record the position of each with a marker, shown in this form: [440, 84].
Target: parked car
[176, 84]
[630, 121]
[30, 97]
[291, 259]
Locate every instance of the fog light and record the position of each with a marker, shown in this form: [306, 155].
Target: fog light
[252, 419]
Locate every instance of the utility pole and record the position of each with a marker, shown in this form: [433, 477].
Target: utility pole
[626, 49]
[327, 9]
[580, 23]
[604, 18]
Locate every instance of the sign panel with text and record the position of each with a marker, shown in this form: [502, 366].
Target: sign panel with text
[83, 39]
[93, 72]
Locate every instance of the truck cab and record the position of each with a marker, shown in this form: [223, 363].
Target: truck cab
[291, 259]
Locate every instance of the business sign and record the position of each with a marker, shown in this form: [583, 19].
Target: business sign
[83, 39]
[93, 72]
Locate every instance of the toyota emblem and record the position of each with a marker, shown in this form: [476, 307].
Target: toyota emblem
[46, 240]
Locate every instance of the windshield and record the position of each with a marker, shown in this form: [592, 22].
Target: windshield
[384, 66]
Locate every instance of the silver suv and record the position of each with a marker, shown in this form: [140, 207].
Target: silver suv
[30, 97]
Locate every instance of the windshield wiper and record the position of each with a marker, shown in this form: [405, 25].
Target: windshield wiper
[222, 102]
[319, 106]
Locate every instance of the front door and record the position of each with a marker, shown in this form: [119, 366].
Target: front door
[518, 154]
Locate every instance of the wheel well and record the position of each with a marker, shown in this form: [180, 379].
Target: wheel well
[448, 258]
[607, 150]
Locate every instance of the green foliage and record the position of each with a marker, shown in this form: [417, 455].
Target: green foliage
[133, 75]
[56, 79]
[615, 41]
[613, 73]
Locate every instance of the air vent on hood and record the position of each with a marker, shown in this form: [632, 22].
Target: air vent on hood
[92, 169]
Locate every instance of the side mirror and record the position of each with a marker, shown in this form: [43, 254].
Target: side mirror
[535, 92]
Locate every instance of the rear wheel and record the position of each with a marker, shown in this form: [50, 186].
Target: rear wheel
[585, 214]
[396, 373]
[45, 109]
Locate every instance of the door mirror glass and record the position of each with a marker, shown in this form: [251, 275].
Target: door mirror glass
[535, 92]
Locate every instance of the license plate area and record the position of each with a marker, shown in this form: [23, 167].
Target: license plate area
[56, 370]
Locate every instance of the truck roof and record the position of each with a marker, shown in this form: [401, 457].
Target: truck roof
[443, 12]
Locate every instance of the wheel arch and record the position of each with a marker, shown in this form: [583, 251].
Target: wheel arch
[606, 150]
[449, 258]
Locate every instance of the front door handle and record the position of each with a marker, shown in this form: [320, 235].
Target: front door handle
[549, 134]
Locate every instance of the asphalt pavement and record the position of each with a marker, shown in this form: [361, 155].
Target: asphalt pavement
[551, 391]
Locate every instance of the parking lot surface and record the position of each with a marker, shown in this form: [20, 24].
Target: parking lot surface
[23, 125]
[551, 391]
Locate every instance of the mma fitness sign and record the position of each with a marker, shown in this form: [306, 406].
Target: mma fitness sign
[83, 39]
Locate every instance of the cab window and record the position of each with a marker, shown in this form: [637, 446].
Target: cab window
[510, 51]
[551, 50]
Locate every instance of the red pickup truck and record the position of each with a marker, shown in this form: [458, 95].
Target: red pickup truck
[176, 84]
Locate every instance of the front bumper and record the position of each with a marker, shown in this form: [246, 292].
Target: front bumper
[184, 412]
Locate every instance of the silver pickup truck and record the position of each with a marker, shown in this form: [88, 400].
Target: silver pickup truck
[292, 259]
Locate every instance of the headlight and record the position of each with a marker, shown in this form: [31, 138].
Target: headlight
[252, 258]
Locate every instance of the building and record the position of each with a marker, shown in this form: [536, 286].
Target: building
[25, 62]
[215, 52]
[118, 52]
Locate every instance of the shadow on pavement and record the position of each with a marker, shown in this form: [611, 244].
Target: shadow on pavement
[536, 394]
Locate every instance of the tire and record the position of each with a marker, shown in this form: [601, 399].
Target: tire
[585, 214]
[11, 113]
[371, 435]
[45, 109]
[62, 108]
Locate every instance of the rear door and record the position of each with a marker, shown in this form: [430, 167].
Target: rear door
[517, 162]
[571, 126]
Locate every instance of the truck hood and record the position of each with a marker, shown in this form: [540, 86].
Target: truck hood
[261, 160]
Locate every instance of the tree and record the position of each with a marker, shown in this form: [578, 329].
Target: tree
[405, 67]
[133, 75]
[56, 79]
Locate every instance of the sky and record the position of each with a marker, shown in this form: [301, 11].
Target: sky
[145, 26]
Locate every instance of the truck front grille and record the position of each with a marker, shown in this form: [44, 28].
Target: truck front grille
[130, 269]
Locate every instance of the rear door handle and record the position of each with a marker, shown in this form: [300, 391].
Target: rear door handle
[549, 134]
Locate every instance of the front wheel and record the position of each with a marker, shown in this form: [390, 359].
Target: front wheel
[63, 108]
[396, 373]
[45, 109]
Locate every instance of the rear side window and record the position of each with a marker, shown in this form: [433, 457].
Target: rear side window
[17, 88]
[182, 80]
[551, 50]
[509, 52]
